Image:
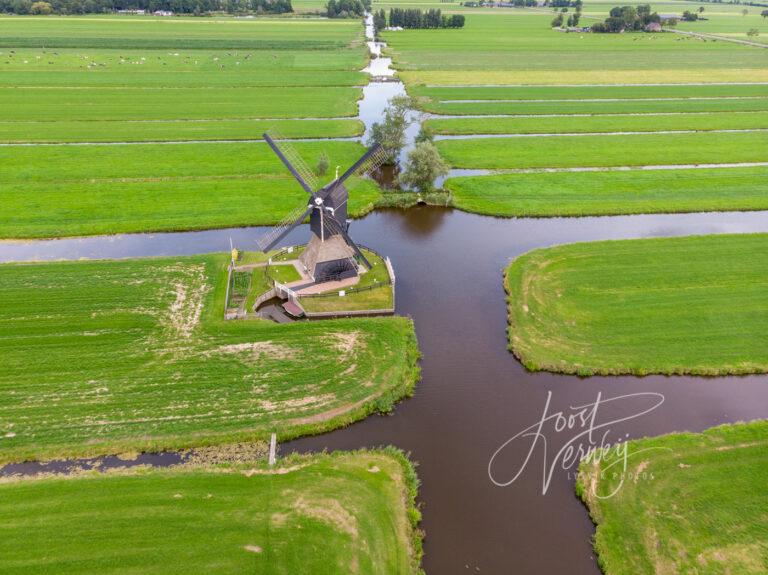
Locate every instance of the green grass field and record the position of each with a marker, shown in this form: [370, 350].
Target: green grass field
[689, 503]
[518, 47]
[610, 193]
[578, 151]
[84, 190]
[131, 355]
[637, 106]
[597, 124]
[338, 513]
[691, 305]
[113, 79]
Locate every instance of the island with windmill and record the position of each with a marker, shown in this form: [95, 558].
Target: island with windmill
[330, 275]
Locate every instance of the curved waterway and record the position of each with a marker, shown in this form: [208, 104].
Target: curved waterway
[474, 395]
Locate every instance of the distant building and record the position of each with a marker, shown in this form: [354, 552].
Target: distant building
[667, 17]
[130, 11]
[653, 27]
[162, 13]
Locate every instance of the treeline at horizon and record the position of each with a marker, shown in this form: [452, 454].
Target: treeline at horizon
[416, 18]
[176, 6]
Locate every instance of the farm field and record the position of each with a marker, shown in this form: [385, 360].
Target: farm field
[608, 193]
[605, 150]
[598, 124]
[518, 47]
[597, 107]
[604, 92]
[343, 513]
[67, 190]
[132, 355]
[629, 307]
[224, 68]
[694, 507]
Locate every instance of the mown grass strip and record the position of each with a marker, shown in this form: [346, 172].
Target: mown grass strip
[687, 502]
[133, 355]
[691, 305]
[347, 512]
[612, 193]
[624, 150]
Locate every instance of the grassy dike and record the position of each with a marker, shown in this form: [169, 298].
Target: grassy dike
[351, 512]
[690, 305]
[132, 355]
[689, 503]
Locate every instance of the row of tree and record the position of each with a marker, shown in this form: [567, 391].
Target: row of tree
[573, 20]
[347, 8]
[175, 6]
[416, 18]
[627, 18]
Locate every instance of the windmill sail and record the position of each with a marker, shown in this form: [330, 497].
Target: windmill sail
[292, 160]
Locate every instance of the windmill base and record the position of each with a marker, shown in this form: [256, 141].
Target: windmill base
[329, 260]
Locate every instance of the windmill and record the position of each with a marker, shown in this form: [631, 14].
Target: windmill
[330, 254]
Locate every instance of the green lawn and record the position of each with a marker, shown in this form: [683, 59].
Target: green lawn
[597, 124]
[109, 356]
[578, 151]
[691, 305]
[610, 193]
[338, 513]
[690, 503]
[84, 190]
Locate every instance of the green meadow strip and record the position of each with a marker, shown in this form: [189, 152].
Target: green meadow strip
[686, 503]
[134, 355]
[691, 305]
[353, 511]
[51, 191]
[597, 124]
[612, 193]
[623, 150]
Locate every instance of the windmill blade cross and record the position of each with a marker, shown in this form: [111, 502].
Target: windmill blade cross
[293, 161]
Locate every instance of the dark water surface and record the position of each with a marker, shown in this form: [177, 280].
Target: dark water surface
[474, 395]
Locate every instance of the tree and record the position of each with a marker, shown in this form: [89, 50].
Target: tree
[744, 12]
[41, 8]
[557, 21]
[390, 132]
[322, 164]
[764, 13]
[701, 9]
[425, 134]
[423, 166]
[752, 32]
